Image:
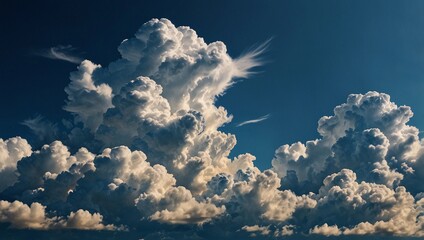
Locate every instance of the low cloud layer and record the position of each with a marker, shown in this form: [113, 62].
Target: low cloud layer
[142, 154]
[22, 216]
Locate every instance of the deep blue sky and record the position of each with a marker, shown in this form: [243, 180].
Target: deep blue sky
[321, 52]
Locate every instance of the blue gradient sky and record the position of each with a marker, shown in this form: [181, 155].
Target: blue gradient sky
[321, 51]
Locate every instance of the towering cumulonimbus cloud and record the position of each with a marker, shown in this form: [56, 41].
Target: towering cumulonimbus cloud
[143, 155]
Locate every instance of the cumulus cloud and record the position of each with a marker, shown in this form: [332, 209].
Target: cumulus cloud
[22, 216]
[259, 119]
[84, 220]
[12, 150]
[263, 230]
[179, 206]
[142, 151]
[368, 134]
[60, 52]
[45, 130]
[326, 230]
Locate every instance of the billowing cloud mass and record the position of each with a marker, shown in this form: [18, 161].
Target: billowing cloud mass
[142, 155]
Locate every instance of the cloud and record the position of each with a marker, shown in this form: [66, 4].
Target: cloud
[22, 216]
[377, 203]
[142, 151]
[12, 150]
[369, 127]
[326, 230]
[259, 119]
[84, 220]
[61, 52]
[263, 230]
[45, 130]
[250, 58]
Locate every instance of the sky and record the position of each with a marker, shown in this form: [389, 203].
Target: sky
[284, 107]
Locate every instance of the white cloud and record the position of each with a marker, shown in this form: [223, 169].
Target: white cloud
[259, 119]
[84, 220]
[178, 206]
[365, 208]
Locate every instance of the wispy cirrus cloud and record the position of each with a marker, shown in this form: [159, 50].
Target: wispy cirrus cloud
[61, 52]
[256, 120]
